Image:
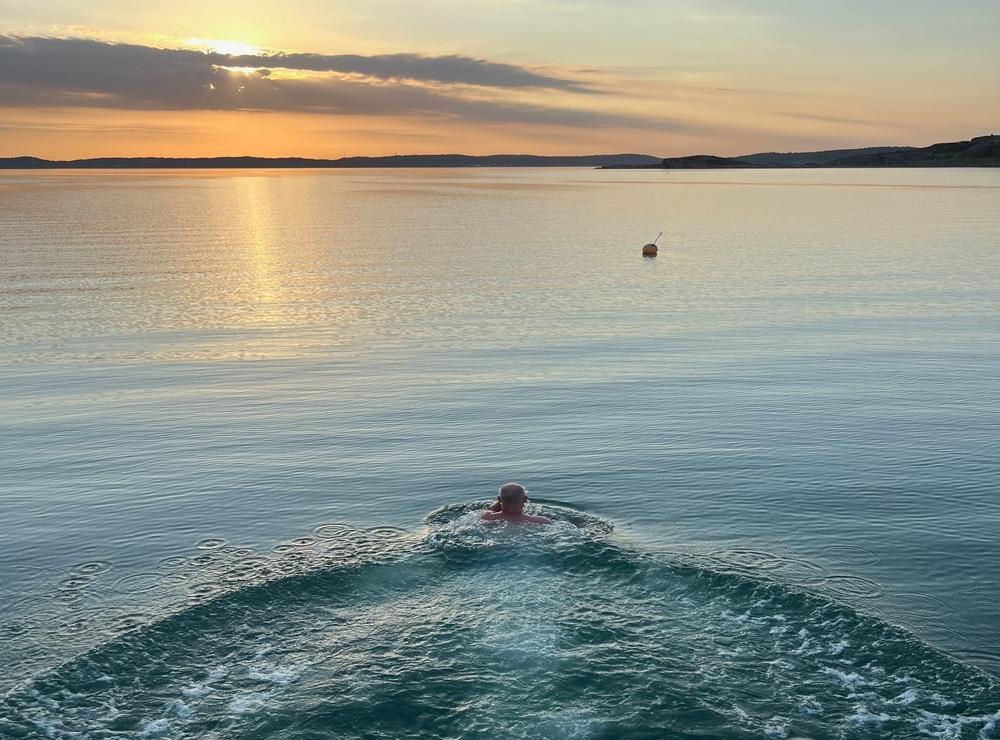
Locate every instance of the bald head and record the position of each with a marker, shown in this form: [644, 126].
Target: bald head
[512, 495]
[509, 507]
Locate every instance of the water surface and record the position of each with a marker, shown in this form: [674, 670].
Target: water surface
[781, 435]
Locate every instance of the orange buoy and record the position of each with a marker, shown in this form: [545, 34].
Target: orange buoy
[649, 250]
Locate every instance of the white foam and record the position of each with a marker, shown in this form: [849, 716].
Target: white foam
[198, 690]
[49, 727]
[848, 679]
[569, 723]
[803, 648]
[949, 727]
[155, 728]
[838, 647]
[809, 705]
[776, 727]
[940, 700]
[272, 674]
[778, 664]
[991, 724]
[863, 716]
[111, 712]
[195, 692]
[246, 703]
[216, 673]
[471, 530]
[907, 697]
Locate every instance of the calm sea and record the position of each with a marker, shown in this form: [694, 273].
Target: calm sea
[245, 416]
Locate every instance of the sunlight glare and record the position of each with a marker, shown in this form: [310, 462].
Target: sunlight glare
[231, 48]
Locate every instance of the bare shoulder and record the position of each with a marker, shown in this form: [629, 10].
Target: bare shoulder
[489, 515]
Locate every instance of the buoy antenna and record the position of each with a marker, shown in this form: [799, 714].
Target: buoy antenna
[657, 237]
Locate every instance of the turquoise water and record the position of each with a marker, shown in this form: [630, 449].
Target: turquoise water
[246, 415]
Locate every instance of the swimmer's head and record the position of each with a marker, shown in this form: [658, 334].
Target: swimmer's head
[512, 497]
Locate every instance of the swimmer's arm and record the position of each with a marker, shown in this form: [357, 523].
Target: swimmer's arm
[495, 506]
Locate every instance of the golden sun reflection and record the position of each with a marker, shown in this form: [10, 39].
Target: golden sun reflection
[262, 260]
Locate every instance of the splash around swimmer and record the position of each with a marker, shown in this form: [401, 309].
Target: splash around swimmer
[509, 507]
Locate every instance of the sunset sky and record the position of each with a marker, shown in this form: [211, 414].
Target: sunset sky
[328, 78]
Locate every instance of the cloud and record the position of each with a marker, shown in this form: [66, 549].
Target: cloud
[451, 69]
[84, 72]
[66, 127]
[71, 60]
[832, 119]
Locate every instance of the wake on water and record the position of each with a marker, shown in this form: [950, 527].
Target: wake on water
[469, 630]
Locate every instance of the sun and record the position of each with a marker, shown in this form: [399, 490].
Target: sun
[230, 48]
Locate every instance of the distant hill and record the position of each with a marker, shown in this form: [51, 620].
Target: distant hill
[813, 159]
[406, 160]
[982, 151]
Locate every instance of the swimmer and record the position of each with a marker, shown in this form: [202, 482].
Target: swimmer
[509, 507]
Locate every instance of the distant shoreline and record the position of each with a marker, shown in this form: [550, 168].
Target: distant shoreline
[395, 161]
[655, 168]
[981, 151]
[923, 166]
